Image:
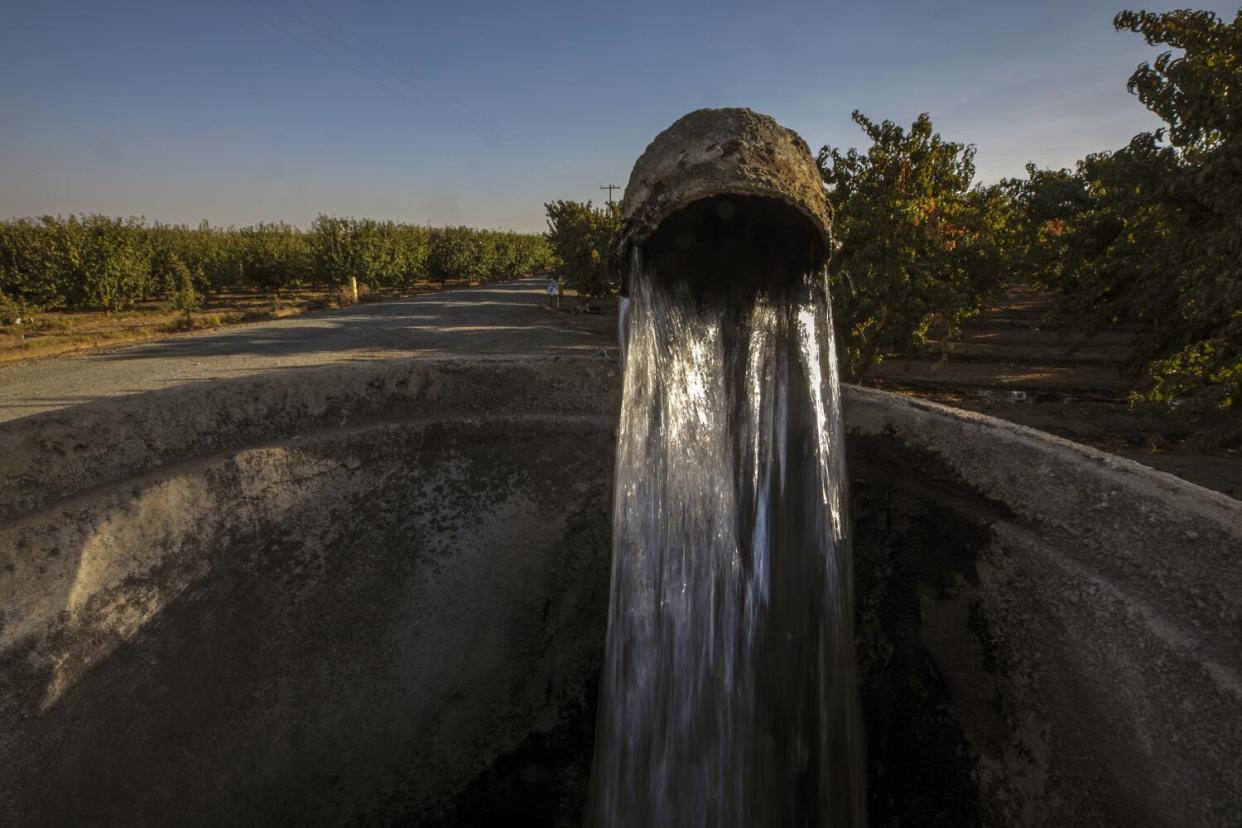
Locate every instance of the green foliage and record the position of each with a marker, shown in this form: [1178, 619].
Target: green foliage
[382, 254]
[211, 255]
[455, 253]
[274, 257]
[463, 253]
[105, 262]
[95, 261]
[10, 311]
[30, 262]
[1151, 235]
[519, 254]
[1196, 93]
[1042, 208]
[1193, 209]
[581, 238]
[917, 245]
[1206, 375]
[184, 297]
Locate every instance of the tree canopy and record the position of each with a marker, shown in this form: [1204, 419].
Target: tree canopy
[100, 262]
[581, 237]
[916, 245]
[1150, 235]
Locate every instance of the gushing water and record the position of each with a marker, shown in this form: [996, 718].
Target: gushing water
[728, 695]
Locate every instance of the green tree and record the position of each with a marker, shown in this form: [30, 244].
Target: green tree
[31, 271]
[580, 238]
[1194, 208]
[522, 254]
[414, 246]
[185, 297]
[274, 257]
[1151, 235]
[370, 251]
[916, 245]
[1042, 209]
[332, 249]
[105, 260]
[454, 254]
[222, 265]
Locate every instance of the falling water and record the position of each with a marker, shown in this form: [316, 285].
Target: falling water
[728, 695]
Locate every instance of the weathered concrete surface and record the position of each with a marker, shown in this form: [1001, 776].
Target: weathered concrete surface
[320, 621]
[720, 152]
[341, 593]
[1082, 615]
[59, 453]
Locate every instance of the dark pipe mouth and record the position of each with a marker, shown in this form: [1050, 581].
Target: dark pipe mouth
[725, 244]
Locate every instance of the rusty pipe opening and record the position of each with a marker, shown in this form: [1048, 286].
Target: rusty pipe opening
[725, 198]
[730, 241]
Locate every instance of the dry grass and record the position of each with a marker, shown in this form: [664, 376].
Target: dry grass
[56, 333]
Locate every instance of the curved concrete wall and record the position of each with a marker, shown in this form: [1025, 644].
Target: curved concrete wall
[341, 594]
[315, 597]
[1082, 615]
[49, 456]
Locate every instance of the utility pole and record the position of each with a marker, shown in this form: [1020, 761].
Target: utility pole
[609, 188]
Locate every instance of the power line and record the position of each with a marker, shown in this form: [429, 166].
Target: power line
[609, 188]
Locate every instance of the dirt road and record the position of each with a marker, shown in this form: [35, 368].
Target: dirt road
[505, 318]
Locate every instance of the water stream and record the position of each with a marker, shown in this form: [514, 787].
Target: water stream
[728, 695]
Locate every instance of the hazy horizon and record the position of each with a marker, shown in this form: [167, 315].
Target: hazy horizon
[476, 113]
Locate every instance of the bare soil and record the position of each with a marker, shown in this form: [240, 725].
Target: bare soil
[1019, 362]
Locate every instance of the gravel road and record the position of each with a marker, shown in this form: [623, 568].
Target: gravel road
[504, 318]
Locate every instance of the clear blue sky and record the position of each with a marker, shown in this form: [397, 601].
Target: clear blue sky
[477, 113]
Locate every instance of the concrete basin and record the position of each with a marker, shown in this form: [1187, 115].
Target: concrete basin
[376, 593]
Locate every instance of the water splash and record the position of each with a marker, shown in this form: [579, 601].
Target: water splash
[729, 693]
